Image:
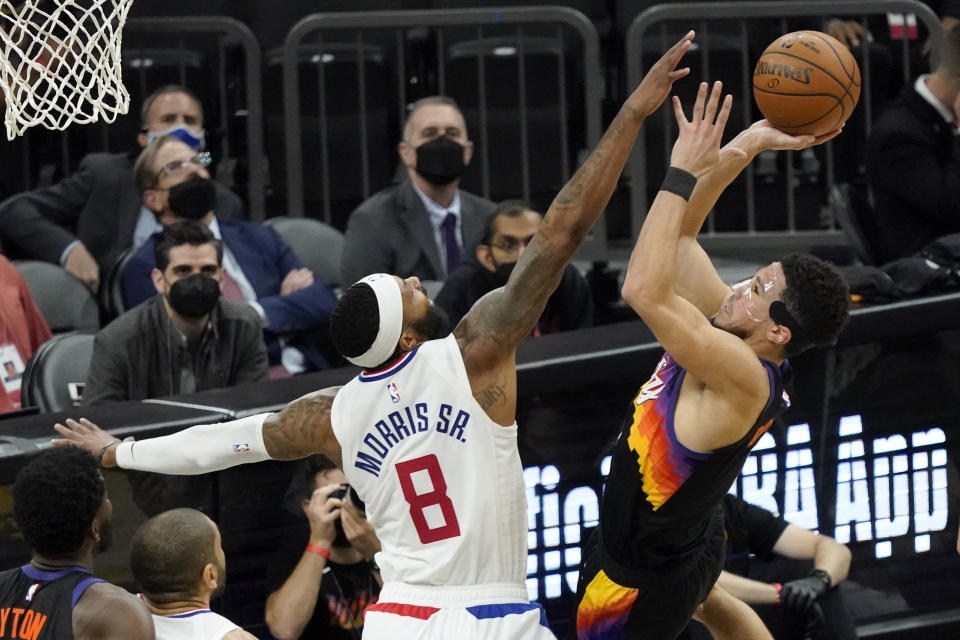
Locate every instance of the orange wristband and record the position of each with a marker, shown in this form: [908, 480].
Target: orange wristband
[320, 551]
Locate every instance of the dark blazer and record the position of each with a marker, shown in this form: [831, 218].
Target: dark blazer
[390, 232]
[265, 259]
[98, 205]
[913, 165]
[139, 354]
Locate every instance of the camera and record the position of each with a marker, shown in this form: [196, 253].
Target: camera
[349, 495]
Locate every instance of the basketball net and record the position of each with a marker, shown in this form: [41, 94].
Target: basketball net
[60, 62]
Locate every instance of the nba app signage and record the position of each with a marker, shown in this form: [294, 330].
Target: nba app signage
[890, 492]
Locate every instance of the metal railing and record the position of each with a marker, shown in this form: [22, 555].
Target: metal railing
[725, 28]
[473, 55]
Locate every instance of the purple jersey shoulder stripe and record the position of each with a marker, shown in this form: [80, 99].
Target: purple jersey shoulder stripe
[46, 576]
[81, 587]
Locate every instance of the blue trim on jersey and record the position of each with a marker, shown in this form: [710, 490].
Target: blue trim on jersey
[47, 576]
[386, 372]
[189, 614]
[81, 587]
[485, 611]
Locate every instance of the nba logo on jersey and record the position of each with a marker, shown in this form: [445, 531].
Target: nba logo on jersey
[394, 392]
[786, 399]
[240, 447]
[31, 591]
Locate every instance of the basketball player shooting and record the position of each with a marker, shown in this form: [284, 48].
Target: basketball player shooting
[660, 545]
[426, 433]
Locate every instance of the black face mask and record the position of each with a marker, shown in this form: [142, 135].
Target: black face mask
[440, 161]
[195, 296]
[193, 198]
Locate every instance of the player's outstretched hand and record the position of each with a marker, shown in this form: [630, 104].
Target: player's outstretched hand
[89, 437]
[656, 84]
[697, 149]
[769, 137]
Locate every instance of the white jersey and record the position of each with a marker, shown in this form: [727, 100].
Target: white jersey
[442, 483]
[199, 624]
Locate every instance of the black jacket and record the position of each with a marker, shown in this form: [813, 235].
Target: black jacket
[913, 164]
[139, 354]
[98, 205]
[570, 307]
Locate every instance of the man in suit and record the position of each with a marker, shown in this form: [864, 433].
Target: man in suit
[422, 226]
[85, 221]
[913, 160]
[259, 267]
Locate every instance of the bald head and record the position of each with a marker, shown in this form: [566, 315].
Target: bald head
[169, 552]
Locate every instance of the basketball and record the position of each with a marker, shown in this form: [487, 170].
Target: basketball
[806, 82]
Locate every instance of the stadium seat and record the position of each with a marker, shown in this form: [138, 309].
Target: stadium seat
[317, 245]
[854, 214]
[53, 378]
[110, 294]
[66, 304]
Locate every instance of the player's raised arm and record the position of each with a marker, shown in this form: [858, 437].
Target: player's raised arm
[300, 429]
[649, 285]
[696, 278]
[498, 321]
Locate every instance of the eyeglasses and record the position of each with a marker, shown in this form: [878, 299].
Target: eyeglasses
[177, 168]
[510, 245]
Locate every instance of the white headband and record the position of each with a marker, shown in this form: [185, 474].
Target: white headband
[390, 304]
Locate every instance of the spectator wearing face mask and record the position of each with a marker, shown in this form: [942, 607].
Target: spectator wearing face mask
[425, 225]
[186, 337]
[85, 221]
[259, 268]
[507, 232]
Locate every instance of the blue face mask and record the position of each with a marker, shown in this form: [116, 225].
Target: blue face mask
[191, 137]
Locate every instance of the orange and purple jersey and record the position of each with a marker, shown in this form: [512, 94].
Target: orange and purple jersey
[660, 493]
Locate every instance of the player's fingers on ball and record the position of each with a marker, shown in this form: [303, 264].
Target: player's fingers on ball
[86, 423]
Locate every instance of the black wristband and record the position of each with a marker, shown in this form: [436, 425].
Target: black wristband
[823, 575]
[679, 182]
[104, 450]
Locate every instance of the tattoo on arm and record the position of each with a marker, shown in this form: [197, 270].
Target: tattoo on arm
[302, 428]
[571, 193]
[492, 395]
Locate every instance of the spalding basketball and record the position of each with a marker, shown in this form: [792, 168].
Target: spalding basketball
[806, 82]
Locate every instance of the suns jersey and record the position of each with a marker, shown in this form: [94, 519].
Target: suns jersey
[660, 495]
[442, 482]
[37, 604]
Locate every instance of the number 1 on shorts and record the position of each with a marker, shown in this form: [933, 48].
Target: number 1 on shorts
[419, 502]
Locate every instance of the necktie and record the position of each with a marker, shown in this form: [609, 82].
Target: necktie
[449, 229]
[229, 288]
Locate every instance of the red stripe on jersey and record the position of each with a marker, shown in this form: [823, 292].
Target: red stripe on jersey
[409, 610]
